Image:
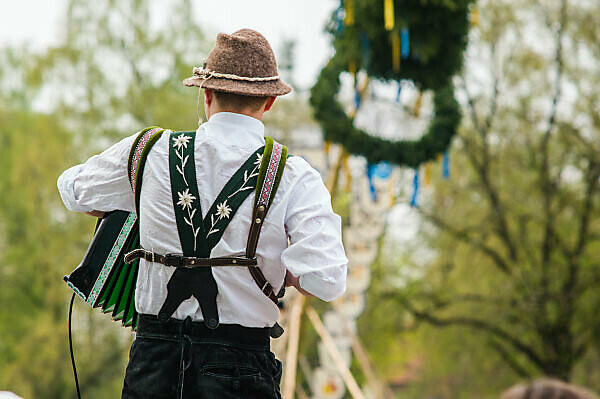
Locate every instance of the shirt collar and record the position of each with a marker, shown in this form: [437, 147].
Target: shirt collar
[234, 127]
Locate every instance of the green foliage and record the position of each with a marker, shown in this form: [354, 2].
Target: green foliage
[511, 280]
[438, 37]
[111, 75]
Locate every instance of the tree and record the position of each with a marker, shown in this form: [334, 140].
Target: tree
[112, 74]
[515, 231]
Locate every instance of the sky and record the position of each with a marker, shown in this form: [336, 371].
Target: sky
[39, 23]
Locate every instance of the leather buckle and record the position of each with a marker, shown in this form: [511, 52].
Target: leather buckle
[174, 260]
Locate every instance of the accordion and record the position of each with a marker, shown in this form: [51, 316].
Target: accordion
[103, 279]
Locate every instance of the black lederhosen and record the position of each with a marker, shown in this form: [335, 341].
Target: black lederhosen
[184, 359]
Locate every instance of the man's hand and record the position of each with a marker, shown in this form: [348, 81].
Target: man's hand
[293, 281]
[96, 214]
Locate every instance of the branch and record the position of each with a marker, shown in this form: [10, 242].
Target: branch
[510, 359]
[465, 237]
[547, 186]
[476, 324]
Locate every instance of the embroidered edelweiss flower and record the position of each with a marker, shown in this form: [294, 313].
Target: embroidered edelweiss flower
[258, 159]
[185, 199]
[181, 141]
[223, 210]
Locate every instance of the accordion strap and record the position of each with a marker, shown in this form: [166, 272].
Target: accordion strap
[137, 159]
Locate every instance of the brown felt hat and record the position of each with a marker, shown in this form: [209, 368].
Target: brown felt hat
[240, 63]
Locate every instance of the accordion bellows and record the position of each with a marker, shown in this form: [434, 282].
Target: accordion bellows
[103, 279]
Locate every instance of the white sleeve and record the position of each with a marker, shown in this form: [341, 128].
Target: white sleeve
[316, 253]
[101, 183]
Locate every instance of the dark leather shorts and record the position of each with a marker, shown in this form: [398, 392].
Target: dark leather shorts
[181, 359]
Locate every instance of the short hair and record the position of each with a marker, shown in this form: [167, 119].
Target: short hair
[239, 102]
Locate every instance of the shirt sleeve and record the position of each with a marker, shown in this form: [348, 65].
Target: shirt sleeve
[316, 253]
[101, 183]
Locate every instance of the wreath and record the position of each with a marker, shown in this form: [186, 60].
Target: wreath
[439, 30]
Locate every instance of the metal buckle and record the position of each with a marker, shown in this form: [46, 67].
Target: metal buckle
[174, 260]
[265, 286]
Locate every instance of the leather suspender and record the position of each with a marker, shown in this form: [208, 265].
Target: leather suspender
[258, 276]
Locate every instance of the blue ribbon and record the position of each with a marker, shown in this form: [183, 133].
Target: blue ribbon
[413, 200]
[404, 43]
[446, 165]
[399, 91]
[381, 170]
[372, 189]
[339, 17]
[366, 49]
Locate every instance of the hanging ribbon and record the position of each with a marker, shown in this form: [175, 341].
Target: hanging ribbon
[347, 173]
[388, 14]
[370, 173]
[405, 40]
[357, 98]
[418, 103]
[349, 19]
[396, 51]
[352, 68]
[366, 50]
[474, 16]
[427, 177]
[399, 91]
[381, 170]
[446, 165]
[413, 200]
[339, 17]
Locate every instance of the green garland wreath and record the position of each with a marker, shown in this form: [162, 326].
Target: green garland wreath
[338, 127]
[441, 32]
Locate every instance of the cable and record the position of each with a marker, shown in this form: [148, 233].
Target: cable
[71, 349]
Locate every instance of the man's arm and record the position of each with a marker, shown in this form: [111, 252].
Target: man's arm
[100, 184]
[315, 260]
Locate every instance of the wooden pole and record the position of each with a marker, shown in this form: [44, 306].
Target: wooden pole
[336, 356]
[291, 356]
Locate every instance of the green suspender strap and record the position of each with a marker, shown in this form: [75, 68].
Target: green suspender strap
[198, 235]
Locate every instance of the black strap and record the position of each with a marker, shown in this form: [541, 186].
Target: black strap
[189, 262]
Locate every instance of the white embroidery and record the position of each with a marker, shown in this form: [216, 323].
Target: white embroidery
[181, 143]
[247, 178]
[258, 159]
[223, 211]
[185, 199]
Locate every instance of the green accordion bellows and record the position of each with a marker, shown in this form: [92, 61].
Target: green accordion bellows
[103, 279]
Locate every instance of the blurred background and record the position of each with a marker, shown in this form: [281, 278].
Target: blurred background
[469, 271]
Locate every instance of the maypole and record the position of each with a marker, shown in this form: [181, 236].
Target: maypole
[398, 42]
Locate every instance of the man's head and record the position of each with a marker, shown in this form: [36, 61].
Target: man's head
[254, 106]
[240, 75]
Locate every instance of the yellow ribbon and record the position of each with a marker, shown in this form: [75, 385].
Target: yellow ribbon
[388, 14]
[396, 51]
[349, 19]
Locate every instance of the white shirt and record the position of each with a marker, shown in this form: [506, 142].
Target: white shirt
[301, 207]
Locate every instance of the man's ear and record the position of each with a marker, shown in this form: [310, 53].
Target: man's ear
[208, 97]
[269, 103]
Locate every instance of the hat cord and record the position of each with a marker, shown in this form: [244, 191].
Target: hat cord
[207, 74]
